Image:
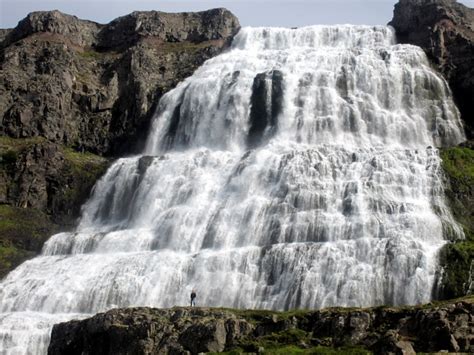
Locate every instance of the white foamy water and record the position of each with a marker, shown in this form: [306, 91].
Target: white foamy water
[297, 170]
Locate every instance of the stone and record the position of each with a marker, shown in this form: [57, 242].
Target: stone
[181, 330]
[96, 87]
[445, 30]
[266, 105]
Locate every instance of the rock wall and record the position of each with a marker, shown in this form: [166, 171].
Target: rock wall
[445, 30]
[73, 91]
[433, 328]
[95, 87]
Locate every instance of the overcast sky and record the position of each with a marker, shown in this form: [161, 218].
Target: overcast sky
[284, 13]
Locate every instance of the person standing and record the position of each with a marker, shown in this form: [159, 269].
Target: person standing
[193, 298]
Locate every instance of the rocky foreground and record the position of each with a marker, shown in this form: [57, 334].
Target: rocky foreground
[444, 327]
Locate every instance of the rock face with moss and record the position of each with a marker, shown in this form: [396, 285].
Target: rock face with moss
[72, 91]
[42, 186]
[457, 258]
[434, 328]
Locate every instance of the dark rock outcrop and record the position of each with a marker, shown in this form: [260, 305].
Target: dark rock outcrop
[445, 30]
[266, 105]
[432, 328]
[95, 87]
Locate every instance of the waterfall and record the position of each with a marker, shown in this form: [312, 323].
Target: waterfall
[299, 169]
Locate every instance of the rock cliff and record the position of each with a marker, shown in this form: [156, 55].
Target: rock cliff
[73, 91]
[432, 328]
[94, 87]
[445, 30]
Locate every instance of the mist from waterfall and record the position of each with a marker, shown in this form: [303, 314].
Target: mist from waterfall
[299, 169]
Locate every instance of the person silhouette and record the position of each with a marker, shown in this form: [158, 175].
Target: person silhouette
[193, 298]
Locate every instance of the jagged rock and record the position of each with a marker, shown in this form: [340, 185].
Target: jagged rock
[445, 327]
[194, 27]
[95, 87]
[150, 331]
[445, 30]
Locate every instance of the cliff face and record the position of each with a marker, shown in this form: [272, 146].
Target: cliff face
[445, 30]
[433, 328]
[94, 87]
[72, 91]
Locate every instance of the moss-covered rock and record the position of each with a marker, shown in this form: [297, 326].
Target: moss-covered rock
[42, 188]
[457, 258]
[22, 234]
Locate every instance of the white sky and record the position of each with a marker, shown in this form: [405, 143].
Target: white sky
[284, 13]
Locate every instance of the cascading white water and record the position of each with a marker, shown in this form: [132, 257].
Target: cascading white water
[296, 170]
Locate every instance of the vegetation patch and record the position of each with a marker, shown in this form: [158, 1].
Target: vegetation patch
[187, 47]
[69, 181]
[22, 235]
[457, 258]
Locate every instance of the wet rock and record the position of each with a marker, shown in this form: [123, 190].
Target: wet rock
[266, 105]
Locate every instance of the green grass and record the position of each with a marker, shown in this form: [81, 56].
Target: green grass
[456, 257]
[91, 54]
[22, 234]
[295, 350]
[458, 163]
[189, 47]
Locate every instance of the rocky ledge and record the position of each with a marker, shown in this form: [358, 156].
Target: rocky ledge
[430, 328]
[445, 30]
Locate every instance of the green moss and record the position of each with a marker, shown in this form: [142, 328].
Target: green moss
[295, 350]
[84, 169]
[22, 234]
[9, 256]
[18, 144]
[188, 47]
[457, 257]
[458, 163]
[289, 336]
